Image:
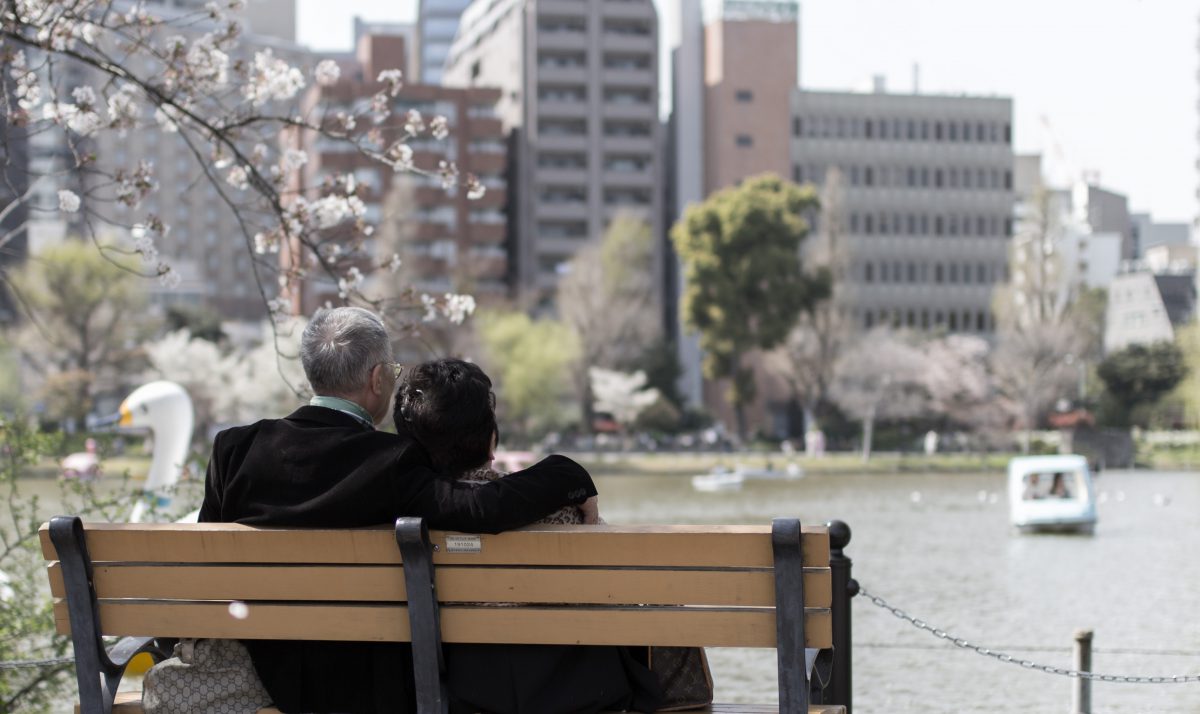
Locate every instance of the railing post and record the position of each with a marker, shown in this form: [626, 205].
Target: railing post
[1081, 696]
[845, 587]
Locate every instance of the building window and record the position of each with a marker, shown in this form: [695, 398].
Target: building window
[797, 126]
[745, 140]
[937, 178]
[925, 319]
[797, 173]
[868, 274]
[912, 272]
[937, 131]
[883, 272]
[854, 223]
[953, 321]
[868, 224]
[868, 320]
[980, 319]
[1008, 134]
[952, 128]
[868, 129]
[744, 95]
[869, 176]
[937, 276]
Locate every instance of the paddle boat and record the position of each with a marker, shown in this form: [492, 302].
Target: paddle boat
[1051, 494]
[166, 410]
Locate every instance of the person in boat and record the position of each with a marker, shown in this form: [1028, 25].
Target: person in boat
[325, 465]
[1032, 491]
[1058, 486]
[448, 407]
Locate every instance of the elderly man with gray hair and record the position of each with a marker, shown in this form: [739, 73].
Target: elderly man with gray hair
[325, 465]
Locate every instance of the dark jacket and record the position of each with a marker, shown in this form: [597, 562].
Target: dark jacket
[322, 468]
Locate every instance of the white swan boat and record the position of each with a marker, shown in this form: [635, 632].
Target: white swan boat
[723, 478]
[1051, 494]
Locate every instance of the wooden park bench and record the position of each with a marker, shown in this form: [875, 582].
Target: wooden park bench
[711, 586]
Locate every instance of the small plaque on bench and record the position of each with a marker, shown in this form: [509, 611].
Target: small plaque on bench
[463, 544]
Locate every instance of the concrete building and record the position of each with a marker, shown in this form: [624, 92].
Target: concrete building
[1148, 233]
[437, 25]
[1144, 307]
[927, 200]
[1104, 211]
[448, 243]
[579, 94]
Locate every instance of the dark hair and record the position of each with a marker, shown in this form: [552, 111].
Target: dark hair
[448, 407]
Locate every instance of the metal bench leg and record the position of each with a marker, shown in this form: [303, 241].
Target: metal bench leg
[66, 533]
[424, 622]
[789, 616]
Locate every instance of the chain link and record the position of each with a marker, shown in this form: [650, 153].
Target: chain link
[1027, 664]
[31, 663]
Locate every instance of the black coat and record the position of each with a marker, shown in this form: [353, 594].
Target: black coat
[322, 468]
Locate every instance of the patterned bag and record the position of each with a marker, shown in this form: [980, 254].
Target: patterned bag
[211, 676]
[684, 675]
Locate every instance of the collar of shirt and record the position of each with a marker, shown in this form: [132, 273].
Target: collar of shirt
[345, 406]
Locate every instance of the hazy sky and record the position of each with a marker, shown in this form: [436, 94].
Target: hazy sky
[1106, 86]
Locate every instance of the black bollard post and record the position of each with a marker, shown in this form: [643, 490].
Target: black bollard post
[845, 587]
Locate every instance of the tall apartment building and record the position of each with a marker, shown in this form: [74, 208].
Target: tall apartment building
[579, 94]
[448, 243]
[437, 24]
[927, 201]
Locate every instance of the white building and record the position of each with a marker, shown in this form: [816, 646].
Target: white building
[1145, 308]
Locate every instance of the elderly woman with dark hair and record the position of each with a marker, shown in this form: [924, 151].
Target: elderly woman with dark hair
[448, 407]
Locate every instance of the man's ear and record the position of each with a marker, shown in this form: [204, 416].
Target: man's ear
[378, 377]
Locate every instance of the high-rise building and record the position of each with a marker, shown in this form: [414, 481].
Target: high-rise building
[447, 241]
[579, 92]
[437, 24]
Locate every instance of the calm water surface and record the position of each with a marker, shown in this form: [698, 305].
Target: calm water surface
[930, 545]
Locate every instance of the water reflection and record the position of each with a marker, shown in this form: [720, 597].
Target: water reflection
[931, 545]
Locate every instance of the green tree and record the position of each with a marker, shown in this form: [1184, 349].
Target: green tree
[608, 298]
[529, 362]
[81, 308]
[1187, 393]
[1139, 375]
[745, 285]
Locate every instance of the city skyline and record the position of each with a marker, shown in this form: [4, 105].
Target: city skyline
[1073, 90]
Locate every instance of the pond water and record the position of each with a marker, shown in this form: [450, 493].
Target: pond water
[940, 547]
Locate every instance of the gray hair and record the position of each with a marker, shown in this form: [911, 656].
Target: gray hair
[339, 348]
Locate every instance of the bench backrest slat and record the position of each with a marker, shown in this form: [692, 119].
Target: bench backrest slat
[682, 626]
[357, 583]
[626, 546]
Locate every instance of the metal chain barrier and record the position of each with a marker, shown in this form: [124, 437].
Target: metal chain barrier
[1027, 664]
[31, 663]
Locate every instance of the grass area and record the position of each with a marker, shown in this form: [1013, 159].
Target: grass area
[681, 464]
[1169, 458]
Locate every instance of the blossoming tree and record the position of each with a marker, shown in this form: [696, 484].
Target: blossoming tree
[78, 70]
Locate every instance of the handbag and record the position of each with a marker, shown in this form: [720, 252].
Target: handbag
[684, 676]
[210, 676]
